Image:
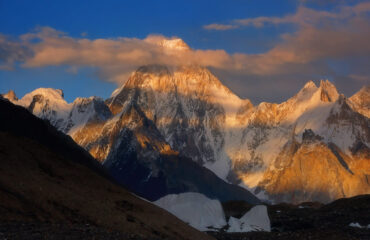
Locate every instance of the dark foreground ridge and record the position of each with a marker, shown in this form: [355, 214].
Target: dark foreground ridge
[50, 188]
[308, 220]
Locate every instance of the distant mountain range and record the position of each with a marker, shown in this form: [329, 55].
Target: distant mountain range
[179, 129]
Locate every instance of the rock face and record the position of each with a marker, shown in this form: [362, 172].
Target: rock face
[319, 171]
[137, 156]
[187, 113]
[361, 101]
[189, 106]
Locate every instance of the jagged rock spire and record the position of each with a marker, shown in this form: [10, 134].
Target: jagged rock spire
[329, 92]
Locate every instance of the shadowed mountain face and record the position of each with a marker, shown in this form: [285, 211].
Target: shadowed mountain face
[185, 113]
[47, 179]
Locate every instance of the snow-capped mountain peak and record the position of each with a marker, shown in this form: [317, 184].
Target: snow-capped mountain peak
[54, 95]
[47, 103]
[310, 84]
[179, 82]
[305, 94]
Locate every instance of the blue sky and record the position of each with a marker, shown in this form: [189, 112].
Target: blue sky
[137, 19]
[106, 19]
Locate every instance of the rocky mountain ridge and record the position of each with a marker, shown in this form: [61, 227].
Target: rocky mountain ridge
[187, 112]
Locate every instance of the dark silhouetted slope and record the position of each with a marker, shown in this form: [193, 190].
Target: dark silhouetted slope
[50, 184]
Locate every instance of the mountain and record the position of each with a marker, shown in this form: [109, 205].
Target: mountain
[48, 183]
[327, 161]
[190, 107]
[49, 104]
[133, 150]
[203, 120]
[186, 113]
[130, 146]
[361, 101]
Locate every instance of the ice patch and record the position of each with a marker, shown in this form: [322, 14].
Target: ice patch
[255, 219]
[196, 209]
[357, 225]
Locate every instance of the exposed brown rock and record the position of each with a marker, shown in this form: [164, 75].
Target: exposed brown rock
[314, 170]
